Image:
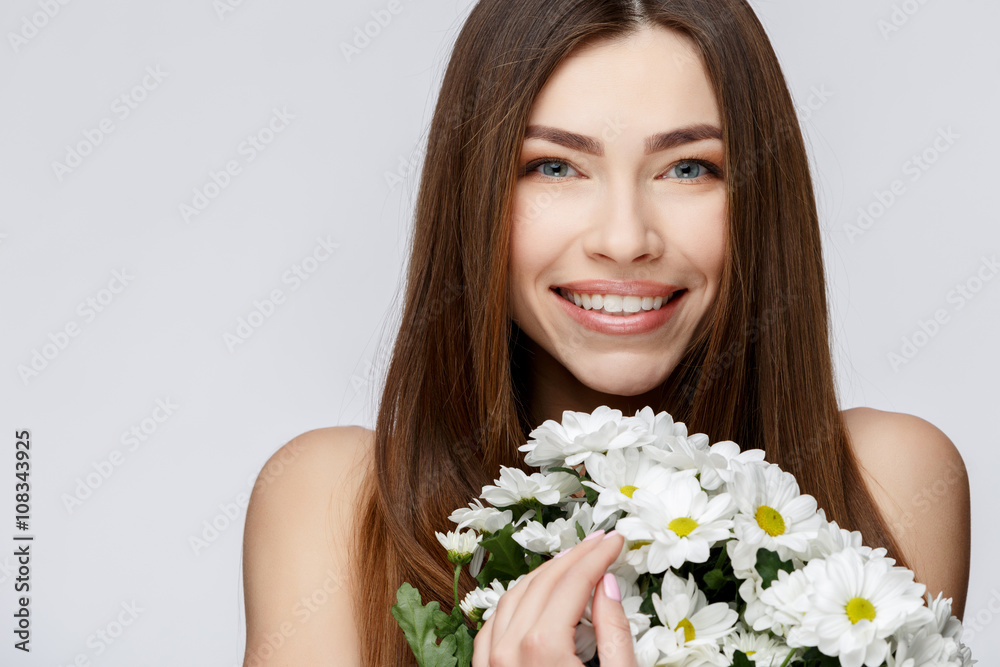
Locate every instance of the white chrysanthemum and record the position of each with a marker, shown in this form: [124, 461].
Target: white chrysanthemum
[665, 431]
[579, 435]
[772, 514]
[692, 630]
[514, 486]
[854, 605]
[780, 607]
[831, 539]
[714, 464]
[616, 476]
[762, 648]
[460, 546]
[480, 603]
[930, 637]
[558, 534]
[681, 522]
[481, 518]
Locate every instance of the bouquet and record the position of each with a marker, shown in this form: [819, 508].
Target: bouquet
[725, 562]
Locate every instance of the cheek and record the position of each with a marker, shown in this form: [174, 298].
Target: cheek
[701, 230]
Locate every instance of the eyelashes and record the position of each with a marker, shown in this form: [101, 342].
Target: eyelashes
[712, 169]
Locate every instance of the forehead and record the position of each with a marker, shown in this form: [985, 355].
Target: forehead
[650, 80]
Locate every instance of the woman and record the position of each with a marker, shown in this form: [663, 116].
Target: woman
[642, 159]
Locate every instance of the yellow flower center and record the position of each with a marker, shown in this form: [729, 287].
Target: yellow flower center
[638, 544]
[770, 521]
[860, 608]
[628, 490]
[682, 525]
[688, 629]
[749, 653]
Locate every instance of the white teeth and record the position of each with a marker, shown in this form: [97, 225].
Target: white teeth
[615, 303]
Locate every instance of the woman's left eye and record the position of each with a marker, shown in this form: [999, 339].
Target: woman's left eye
[693, 170]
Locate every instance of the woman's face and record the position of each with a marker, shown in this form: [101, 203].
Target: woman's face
[620, 195]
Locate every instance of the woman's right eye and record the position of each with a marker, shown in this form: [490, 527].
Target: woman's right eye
[549, 167]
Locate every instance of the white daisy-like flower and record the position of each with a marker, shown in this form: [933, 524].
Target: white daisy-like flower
[765, 650]
[772, 514]
[665, 431]
[460, 546]
[692, 630]
[854, 605]
[681, 523]
[831, 539]
[616, 476]
[714, 464]
[480, 603]
[515, 486]
[579, 435]
[481, 518]
[780, 607]
[931, 636]
[558, 534]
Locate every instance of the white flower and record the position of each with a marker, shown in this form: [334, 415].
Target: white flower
[853, 606]
[616, 476]
[579, 435]
[480, 518]
[763, 649]
[460, 546]
[714, 464]
[481, 602]
[691, 630]
[558, 534]
[930, 637]
[665, 431]
[772, 514]
[681, 522]
[514, 486]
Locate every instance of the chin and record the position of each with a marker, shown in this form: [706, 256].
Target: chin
[621, 380]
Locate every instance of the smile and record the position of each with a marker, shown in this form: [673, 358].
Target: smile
[619, 305]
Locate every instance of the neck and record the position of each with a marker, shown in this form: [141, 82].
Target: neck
[551, 389]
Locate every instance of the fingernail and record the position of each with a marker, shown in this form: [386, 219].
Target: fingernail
[561, 553]
[611, 587]
[607, 535]
[594, 535]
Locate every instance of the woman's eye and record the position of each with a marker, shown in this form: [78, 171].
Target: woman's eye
[692, 170]
[550, 168]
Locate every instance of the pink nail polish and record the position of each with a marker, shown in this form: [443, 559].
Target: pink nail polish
[561, 553]
[594, 535]
[607, 535]
[611, 587]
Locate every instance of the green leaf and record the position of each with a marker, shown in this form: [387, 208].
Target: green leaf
[768, 565]
[447, 624]
[416, 620]
[813, 658]
[569, 470]
[507, 558]
[579, 531]
[740, 659]
[715, 580]
[463, 647]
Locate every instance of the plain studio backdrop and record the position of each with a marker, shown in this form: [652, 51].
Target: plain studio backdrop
[205, 213]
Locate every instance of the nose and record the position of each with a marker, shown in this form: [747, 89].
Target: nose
[622, 228]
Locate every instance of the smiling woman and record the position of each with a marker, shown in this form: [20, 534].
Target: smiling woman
[619, 195]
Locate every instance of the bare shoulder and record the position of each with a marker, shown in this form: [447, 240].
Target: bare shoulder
[298, 528]
[918, 478]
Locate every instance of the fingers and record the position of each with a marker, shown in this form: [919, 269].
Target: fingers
[614, 637]
[543, 615]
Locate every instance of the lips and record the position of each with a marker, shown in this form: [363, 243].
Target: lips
[643, 321]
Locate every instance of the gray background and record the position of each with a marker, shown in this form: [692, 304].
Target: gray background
[316, 360]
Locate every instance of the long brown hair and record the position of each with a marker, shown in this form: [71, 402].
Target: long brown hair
[453, 409]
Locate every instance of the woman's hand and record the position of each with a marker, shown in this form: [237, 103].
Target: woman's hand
[535, 621]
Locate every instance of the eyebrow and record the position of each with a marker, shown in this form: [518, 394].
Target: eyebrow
[654, 143]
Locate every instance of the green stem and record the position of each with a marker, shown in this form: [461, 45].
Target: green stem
[722, 554]
[790, 654]
[458, 571]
